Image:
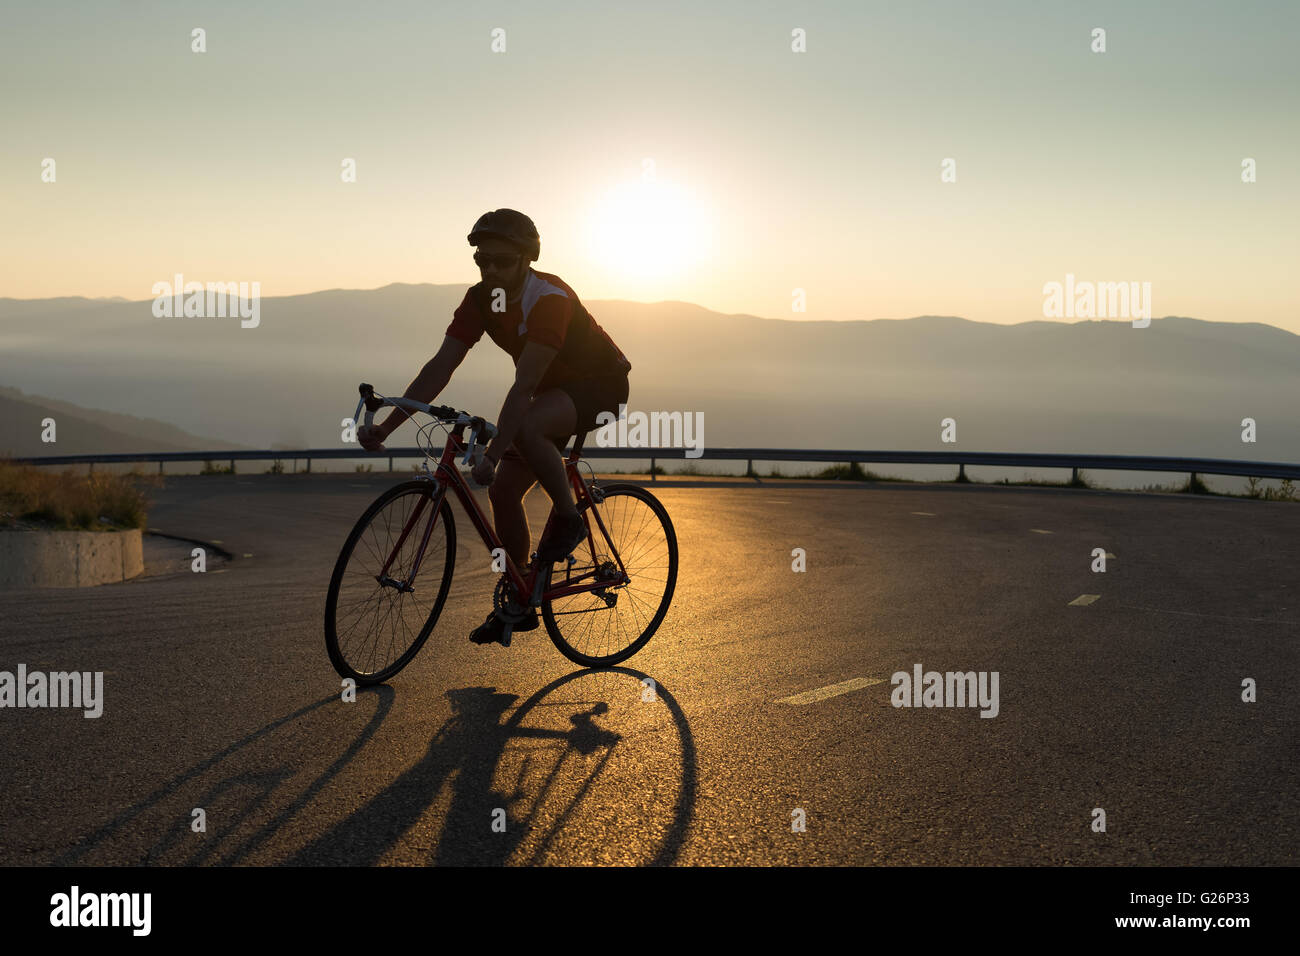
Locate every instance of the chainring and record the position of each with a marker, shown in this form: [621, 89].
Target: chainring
[505, 604]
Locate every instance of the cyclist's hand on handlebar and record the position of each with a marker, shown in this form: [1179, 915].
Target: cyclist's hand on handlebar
[371, 437]
[484, 472]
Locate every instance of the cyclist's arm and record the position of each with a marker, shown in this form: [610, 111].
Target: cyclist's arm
[433, 378]
[534, 360]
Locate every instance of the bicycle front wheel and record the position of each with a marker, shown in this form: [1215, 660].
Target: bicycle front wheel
[378, 614]
[630, 543]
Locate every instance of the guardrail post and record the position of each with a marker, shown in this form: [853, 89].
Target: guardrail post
[92, 468]
[390, 462]
[961, 472]
[160, 461]
[309, 466]
[652, 469]
[749, 468]
[1074, 475]
[232, 466]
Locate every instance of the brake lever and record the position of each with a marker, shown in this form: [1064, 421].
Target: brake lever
[469, 447]
[367, 399]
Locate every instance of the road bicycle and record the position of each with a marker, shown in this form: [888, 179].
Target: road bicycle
[392, 577]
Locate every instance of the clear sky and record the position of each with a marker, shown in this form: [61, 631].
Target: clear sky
[771, 169]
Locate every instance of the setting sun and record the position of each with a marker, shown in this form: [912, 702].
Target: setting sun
[649, 231]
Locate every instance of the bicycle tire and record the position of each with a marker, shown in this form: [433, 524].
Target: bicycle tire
[344, 660]
[634, 550]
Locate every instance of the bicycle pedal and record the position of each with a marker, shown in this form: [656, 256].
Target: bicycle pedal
[505, 635]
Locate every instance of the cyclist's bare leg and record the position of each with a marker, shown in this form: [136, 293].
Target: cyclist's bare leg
[514, 479]
[550, 418]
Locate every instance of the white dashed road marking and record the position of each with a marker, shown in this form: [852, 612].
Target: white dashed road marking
[834, 690]
[1083, 599]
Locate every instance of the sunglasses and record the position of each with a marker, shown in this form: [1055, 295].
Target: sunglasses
[503, 261]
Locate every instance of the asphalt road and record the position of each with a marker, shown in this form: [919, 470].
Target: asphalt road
[218, 693]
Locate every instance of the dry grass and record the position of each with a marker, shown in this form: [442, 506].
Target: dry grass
[40, 497]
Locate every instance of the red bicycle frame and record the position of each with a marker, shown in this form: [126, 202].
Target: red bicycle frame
[449, 476]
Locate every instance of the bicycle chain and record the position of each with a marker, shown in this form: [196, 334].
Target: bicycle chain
[508, 608]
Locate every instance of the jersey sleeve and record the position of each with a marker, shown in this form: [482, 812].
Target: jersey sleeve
[466, 321]
[548, 323]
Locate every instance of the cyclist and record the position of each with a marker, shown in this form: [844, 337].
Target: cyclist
[567, 371]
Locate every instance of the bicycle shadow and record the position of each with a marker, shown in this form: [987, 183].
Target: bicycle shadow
[485, 762]
[487, 825]
[264, 781]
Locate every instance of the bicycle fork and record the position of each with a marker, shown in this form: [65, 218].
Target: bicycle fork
[384, 579]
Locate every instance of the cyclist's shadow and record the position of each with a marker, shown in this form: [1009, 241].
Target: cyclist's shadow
[472, 741]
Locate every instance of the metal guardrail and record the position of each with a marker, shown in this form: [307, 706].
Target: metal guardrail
[1193, 466]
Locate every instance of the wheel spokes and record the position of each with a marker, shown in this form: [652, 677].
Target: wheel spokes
[640, 540]
[376, 622]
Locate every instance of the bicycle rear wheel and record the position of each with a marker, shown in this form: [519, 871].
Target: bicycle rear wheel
[636, 551]
[375, 620]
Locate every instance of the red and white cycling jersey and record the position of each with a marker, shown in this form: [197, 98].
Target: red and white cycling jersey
[549, 313]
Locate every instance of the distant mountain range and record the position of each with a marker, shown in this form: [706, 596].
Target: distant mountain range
[1179, 387]
[85, 431]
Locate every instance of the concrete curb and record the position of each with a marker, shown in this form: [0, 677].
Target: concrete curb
[69, 559]
[214, 548]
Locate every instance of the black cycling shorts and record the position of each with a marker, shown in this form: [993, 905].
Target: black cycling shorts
[591, 396]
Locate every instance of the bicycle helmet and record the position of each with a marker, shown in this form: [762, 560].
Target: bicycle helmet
[512, 226]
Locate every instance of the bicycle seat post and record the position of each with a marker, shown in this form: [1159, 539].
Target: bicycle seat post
[577, 446]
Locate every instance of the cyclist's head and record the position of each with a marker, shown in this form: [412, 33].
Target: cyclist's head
[507, 242]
